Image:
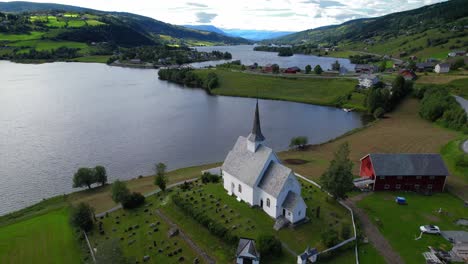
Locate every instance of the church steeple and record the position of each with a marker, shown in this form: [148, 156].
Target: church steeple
[256, 137]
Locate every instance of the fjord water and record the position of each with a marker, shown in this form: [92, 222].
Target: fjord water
[57, 117]
[248, 56]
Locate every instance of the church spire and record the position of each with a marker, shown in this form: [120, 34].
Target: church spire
[256, 129]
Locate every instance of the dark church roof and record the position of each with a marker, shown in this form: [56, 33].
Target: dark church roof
[408, 165]
[246, 249]
[256, 134]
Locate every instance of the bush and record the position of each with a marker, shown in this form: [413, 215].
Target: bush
[330, 238]
[379, 112]
[133, 200]
[462, 160]
[269, 245]
[345, 231]
[298, 142]
[81, 217]
[119, 191]
[208, 177]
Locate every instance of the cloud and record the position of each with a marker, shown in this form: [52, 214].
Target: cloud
[196, 4]
[203, 17]
[323, 3]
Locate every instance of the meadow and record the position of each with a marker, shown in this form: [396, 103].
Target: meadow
[21, 37]
[42, 238]
[400, 224]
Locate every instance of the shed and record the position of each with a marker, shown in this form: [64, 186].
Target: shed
[246, 252]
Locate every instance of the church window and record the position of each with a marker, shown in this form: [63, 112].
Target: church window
[268, 202]
[240, 188]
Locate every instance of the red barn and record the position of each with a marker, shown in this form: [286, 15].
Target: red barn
[406, 172]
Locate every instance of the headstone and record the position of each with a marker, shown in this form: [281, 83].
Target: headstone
[146, 258]
[173, 232]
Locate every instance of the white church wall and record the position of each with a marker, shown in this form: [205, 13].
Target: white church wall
[271, 210]
[246, 193]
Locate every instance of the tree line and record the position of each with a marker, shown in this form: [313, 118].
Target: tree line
[187, 76]
[61, 53]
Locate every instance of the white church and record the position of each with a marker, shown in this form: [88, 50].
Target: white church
[253, 173]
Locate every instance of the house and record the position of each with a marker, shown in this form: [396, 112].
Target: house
[424, 66]
[268, 68]
[246, 252]
[442, 68]
[409, 75]
[368, 80]
[253, 173]
[397, 65]
[406, 172]
[309, 256]
[365, 68]
[292, 70]
[455, 53]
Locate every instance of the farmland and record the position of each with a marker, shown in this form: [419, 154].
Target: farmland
[42, 239]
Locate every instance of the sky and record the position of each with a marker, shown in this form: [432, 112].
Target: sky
[276, 15]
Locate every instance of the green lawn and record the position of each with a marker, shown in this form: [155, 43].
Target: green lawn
[76, 23]
[367, 255]
[46, 238]
[54, 22]
[400, 224]
[93, 22]
[450, 153]
[18, 37]
[49, 45]
[460, 87]
[143, 236]
[322, 91]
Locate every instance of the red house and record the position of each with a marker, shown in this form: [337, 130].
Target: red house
[406, 172]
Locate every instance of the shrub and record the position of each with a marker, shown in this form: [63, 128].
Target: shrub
[119, 191]
[330, 237]
[208, 177]
[133, 200]
[462, 160]
[269, 245]
[81, 217]
[379, 112]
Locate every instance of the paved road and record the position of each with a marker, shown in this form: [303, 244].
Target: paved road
[373, 233]
[186, 238]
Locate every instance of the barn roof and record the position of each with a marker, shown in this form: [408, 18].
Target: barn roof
[246, 165]
[246, 249]
[274, 178]
[408, 165]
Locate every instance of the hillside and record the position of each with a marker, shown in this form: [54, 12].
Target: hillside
[429, 31]
[149, 28]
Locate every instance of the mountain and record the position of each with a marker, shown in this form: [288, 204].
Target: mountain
[424, 31]
[256, 35]
[208, 28]
[148, 27]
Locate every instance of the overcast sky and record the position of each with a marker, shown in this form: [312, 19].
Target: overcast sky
[289, 15]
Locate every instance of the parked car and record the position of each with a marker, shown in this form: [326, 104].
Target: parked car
[430, 229]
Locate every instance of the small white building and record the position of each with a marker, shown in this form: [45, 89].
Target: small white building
[246, 252]
[442, 68]
[253, 173]
[309, 256]
[368, 80]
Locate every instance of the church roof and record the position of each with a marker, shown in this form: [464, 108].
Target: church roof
[246, 165]
[292, 200]
[256, 134]
[246, 249]
[274, 178]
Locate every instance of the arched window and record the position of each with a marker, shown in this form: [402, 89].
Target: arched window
[268, 202]
[240, 188]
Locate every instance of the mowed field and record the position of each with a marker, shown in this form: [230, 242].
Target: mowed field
[402, 131]
[43, 239]
[322, 91]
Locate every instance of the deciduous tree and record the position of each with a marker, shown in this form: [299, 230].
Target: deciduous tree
[160, 179]
[338, 178]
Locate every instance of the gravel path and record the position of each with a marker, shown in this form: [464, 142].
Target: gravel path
[373, 233]
[187, 239]
[463, 102]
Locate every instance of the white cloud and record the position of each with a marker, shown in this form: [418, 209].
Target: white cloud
[291, 15]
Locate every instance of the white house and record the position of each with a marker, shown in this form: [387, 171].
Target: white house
[246, 252]
[368, 80]
[442, 68]
[309, 256]
[254, 174]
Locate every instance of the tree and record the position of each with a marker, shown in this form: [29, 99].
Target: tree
[379, 112]
[338, 178]
[318, 69]
[275, 68]
[83, 177]
[100, 175]
[398, 87]
[269, 245]
[383, 66]
[336, 66]
[133, 200]
[298, 142]
[160, 179]
[308, 69]
[120, 192]
[81, 217]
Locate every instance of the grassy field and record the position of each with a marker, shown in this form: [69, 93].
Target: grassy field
[20, 37]
[450, 153]
[367, 255]
[46, 238]
[322, 91]
[400, 224]
[93, 22]
[76, 23]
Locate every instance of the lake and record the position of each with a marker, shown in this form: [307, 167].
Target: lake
[57, 117]
[248, 56]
